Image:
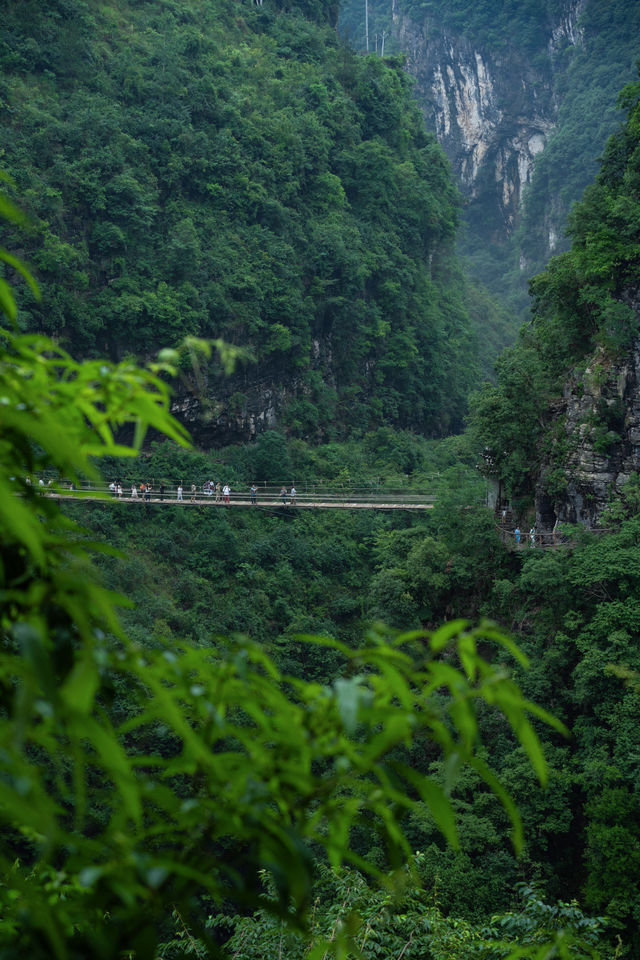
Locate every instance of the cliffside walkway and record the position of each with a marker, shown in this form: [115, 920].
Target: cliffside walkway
[543, 541]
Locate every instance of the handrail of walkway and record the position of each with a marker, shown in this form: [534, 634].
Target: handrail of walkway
[543, 540]
[101, 493]
[264, 492]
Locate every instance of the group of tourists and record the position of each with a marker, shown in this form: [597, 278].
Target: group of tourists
[210, 488]
[141, 491]
[291, 495]
[224, 492]
[532, 536]
[518, 535]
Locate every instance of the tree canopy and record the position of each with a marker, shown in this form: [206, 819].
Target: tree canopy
[196, 168]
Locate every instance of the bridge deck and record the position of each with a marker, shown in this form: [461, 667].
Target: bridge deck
[300, 503]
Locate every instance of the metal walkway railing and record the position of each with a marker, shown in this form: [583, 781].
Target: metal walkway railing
[264, 498]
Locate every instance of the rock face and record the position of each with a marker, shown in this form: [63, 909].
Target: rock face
[245, 404]
[598, 447]
[492, 113]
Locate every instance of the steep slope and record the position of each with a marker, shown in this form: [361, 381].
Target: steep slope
[564, 418]
[195, 168]
[522, 97]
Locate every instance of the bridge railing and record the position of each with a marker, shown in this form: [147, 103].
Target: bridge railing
[324, 493]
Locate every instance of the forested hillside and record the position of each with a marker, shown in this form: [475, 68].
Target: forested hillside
[156, 789]
[234, 171]
[573, 613]
[559, 428]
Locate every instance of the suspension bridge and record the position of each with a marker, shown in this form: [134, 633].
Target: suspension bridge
[311, 497]
[265, 497]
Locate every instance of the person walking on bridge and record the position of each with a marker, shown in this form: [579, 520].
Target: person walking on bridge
[179, 495]
[226, 493]
[283, 494]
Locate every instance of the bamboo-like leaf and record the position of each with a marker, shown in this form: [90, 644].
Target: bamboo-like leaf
[445, 634]
[468, 655]
[546, 717]
[529, 741]
[464, 718]
[18, 522]
[7, 302]
[437, 801]
[491, 632]
[517, 835]
[82, 684]
[113, 759]
[348, 695]
[19, 266]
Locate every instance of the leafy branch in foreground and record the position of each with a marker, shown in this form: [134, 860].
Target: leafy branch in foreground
[223, 768]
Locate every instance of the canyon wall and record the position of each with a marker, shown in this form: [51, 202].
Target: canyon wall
[492, 110]
[596, 446]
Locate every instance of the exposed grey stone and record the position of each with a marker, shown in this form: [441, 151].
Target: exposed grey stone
[600, 410]
[492, 114]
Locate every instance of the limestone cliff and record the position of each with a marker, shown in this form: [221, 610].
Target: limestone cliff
[597, 441]
[492, 109]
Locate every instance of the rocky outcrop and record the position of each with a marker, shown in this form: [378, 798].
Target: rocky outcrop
[597, 447]
[492, 113]
[236, 408]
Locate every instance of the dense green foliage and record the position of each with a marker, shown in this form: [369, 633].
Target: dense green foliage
[232, 171]
[573, 612]
[576, 615]
[207, 570]
[372, 923]
[138, 778]
[576, 611]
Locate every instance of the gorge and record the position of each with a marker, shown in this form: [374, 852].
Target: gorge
[285, 732]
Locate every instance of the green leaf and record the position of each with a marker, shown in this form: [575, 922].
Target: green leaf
[82, 685]
[505, 798]
[443, 636]
[437, 801]
[348, 695]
